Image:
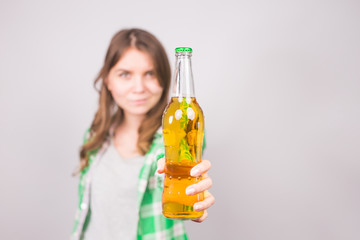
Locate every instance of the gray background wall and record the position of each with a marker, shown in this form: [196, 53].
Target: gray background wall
[279, 83]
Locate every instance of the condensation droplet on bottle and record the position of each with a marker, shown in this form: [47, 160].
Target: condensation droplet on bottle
[170, 177]
[180, 99]
[171, 119]
[188, 100]
[178, 114]
[190, 113]
[189, 178]
[179, 178]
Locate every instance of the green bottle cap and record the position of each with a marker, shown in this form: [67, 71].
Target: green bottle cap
[183, 49]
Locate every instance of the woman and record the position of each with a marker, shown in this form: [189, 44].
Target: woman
[121, 159]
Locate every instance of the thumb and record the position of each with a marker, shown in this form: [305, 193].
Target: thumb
[161, 166]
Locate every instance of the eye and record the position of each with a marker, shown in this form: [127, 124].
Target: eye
[150, 74]
[124, 75]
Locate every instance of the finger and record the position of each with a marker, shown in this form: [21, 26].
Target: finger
[202, 218]
[199, 187]
[161, 166]
[200, 168]
[207, 194]
[205, 204]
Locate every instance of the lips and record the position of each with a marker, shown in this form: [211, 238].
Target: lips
[139, 101]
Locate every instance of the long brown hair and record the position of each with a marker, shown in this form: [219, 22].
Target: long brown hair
[108, 114]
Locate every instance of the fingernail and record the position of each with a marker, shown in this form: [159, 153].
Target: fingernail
[194, 172]
[157, 172]
[198, 207]
[190, 191]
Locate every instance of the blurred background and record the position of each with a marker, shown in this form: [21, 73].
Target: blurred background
[278, 81]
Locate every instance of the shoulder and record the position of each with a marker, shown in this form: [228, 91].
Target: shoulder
[91, 154]
[86, 135]
[157, 143]
[158, 137]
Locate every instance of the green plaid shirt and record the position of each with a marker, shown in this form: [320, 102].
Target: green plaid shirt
[152, 225]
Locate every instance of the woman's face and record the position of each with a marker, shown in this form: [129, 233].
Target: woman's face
[133, 83]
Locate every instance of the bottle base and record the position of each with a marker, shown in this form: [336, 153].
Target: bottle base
[183, 216]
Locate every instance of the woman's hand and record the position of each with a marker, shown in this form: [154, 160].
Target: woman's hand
[202, 186]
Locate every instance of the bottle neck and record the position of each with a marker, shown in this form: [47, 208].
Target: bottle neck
[184, 83]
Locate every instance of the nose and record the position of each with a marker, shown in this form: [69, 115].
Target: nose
[139, 85]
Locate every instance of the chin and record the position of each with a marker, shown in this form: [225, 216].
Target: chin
[138, 110]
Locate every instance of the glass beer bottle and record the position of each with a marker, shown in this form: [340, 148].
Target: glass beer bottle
[183, 130]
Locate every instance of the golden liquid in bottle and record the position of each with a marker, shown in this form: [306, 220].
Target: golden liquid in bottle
[183, 128]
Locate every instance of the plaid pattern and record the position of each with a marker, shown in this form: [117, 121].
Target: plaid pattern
[152, 225]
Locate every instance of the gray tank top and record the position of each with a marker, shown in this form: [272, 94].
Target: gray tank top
[113, 199]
